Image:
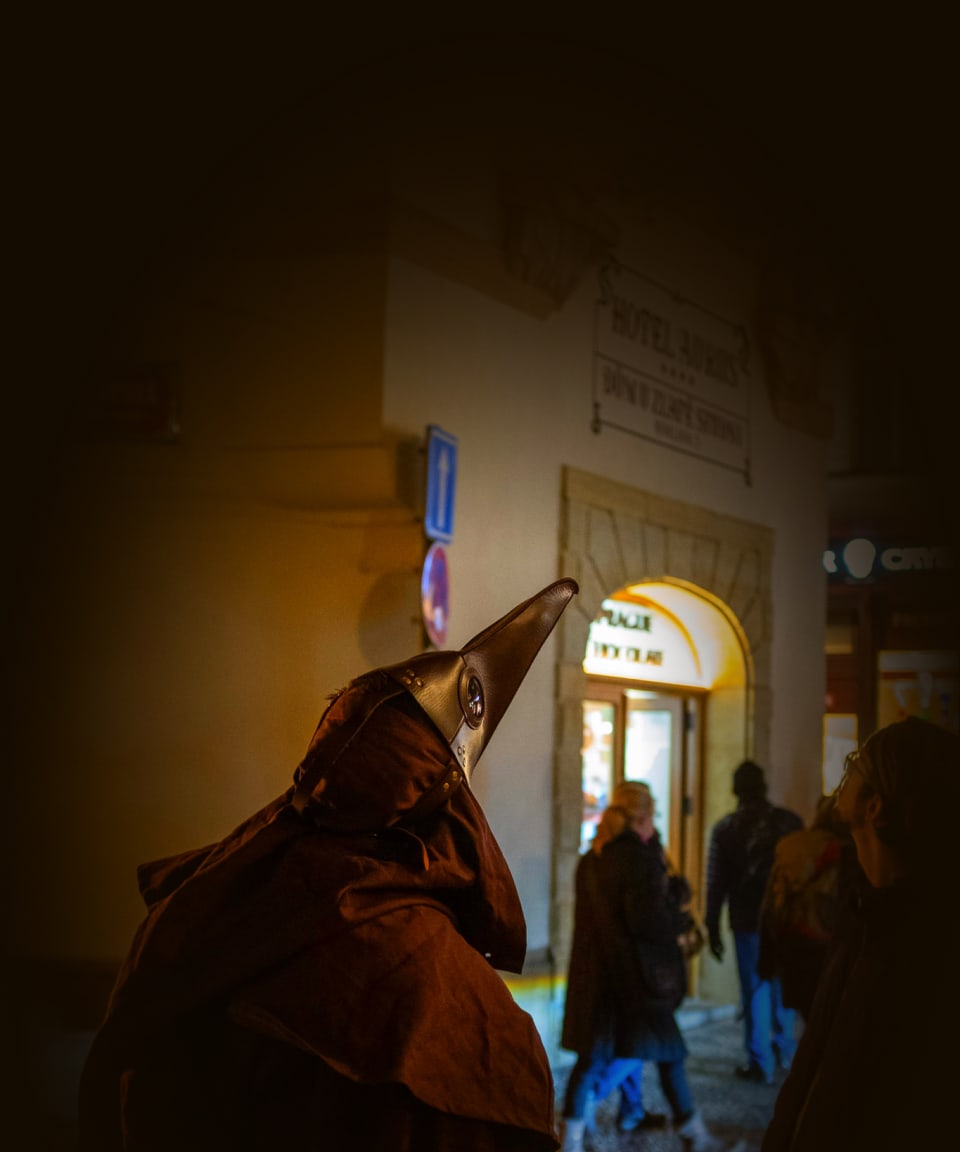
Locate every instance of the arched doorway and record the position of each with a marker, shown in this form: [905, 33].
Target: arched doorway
[708, 577]
[666, 677]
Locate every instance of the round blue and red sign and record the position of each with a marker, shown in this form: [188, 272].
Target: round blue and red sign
[435, 594]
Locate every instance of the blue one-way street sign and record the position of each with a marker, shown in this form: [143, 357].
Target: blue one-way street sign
[441, 484]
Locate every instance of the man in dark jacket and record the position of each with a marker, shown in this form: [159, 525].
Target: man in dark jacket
[877, 1062]
[742, 848]
[325, 975]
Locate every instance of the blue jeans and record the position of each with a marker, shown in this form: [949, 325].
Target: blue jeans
[673, 1082]
[631, 1094]
[596, 1074]
[768, 1027]
[593, 1078]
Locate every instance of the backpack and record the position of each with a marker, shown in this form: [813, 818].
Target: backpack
[760, 848]
[799, 913]
[803, 896]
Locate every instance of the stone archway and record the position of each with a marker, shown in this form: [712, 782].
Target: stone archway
[613, 535]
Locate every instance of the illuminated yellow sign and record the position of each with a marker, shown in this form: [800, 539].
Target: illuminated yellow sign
[640, 641]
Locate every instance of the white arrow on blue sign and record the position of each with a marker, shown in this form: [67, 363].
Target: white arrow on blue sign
[441, 484]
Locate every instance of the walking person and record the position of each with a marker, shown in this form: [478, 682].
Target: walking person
[643, 966]
[876, 1065]
[741, 855]
[296, 984]
[812, 870]
[587, 1015]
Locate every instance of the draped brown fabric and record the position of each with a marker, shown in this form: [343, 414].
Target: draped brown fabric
[373, 951]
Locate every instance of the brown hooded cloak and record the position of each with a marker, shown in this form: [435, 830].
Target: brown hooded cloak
[325, 976]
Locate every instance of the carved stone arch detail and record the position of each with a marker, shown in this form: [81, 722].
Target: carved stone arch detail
[612, 535]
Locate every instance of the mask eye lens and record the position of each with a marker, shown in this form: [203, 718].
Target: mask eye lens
[474, 700]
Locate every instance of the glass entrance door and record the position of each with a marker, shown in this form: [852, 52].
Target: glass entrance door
[653, 753]
[632, 733]
[598, 764]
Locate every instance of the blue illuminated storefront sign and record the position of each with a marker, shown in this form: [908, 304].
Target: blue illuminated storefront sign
[862, 559]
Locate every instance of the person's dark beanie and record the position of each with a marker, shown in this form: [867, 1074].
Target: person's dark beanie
[749, 781]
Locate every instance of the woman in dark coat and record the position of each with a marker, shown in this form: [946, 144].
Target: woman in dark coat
[644, 967]
[587, 1015]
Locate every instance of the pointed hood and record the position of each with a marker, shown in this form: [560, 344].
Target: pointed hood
[399, 741]
[466, 693]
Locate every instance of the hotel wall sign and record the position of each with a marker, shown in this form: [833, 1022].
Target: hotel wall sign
[669, 371]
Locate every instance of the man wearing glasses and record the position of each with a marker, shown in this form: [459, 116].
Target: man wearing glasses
[877, 1062]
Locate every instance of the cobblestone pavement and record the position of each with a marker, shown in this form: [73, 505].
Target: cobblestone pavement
[732, 1108]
